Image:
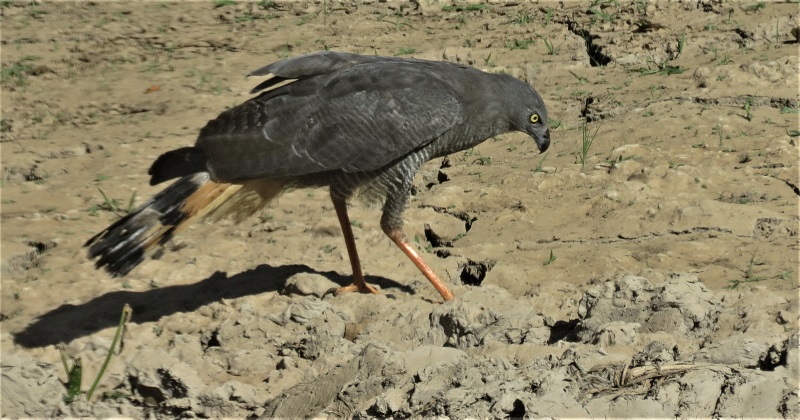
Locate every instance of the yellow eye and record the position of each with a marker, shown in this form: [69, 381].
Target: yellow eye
[534, 118]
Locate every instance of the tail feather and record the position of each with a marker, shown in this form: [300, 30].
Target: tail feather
[177, 163]
[125, 244]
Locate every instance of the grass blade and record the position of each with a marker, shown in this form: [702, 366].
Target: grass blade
[130, 203]
[123, 319]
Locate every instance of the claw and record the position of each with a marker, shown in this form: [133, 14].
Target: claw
[355, 287]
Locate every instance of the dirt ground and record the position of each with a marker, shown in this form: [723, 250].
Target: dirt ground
[653, 273]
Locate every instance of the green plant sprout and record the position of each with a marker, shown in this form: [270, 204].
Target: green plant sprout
[551, 259]
[75, 372]
[664, 69]
[586, 144]
[750, 277]
[747, 104]
[551, 50]
[541, 162]
[681, 44]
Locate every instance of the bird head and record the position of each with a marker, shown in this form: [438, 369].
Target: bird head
[538, 128]
[529, 113]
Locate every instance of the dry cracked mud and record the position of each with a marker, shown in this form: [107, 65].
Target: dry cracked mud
[653, 273]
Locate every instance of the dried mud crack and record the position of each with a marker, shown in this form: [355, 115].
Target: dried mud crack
[736, 101]
[649, 235]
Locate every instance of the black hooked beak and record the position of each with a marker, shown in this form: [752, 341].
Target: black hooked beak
[544, 141]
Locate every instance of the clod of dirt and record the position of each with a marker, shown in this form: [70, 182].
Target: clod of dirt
[308, 284]
[443, 253]
[478, 316]
[474, 272]
[601, 107]
[302, 312]
[30, 259]
[483, 315]
[26, 383]
[158, 379]
[158, 376]
[435, 240]
[777, 228]
[350, 380]
[616, 333]
[740, 350]
[225, 400]
[644, 26]
[682, 306]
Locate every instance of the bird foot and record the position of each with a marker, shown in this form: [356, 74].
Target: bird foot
[365, 288]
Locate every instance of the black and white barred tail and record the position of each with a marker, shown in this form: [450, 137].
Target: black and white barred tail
[128, 241]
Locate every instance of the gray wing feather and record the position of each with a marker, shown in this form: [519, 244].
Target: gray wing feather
[305, 66]
[310, 65]
[359, 118]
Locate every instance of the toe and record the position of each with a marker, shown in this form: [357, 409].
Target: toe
[355, 288]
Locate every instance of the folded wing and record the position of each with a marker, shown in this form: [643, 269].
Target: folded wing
[337, 115]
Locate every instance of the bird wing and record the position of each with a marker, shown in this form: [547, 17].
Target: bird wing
[306, 66]
[357, 117]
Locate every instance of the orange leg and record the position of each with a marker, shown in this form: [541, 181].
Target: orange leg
[398, 238]
[359, 284]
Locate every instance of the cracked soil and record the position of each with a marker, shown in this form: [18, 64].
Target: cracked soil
[651, 274]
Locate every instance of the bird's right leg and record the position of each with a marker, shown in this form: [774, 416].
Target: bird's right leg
[359, 284]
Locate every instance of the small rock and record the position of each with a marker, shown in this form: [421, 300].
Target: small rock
[458, 55]
[256, 362]
[182, 380]
[508, 403]
[474, 272]
[616, 333]
[215, 403]
[701, 76]
[186, 347]
[308, 284]
[783, 318]
[655, 352]
[286, 363]
[302, 312]
[243, 393]
[391, 402]
[736, 350]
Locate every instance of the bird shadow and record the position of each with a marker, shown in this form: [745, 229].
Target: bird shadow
[68, 322]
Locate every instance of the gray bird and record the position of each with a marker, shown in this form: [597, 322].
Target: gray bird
[359, 125]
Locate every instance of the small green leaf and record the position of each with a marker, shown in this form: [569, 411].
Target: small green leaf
[74, 381]
[551, 259]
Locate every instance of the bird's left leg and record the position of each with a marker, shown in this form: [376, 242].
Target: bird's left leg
[392, 225]
[397, 236]
[359, 284]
